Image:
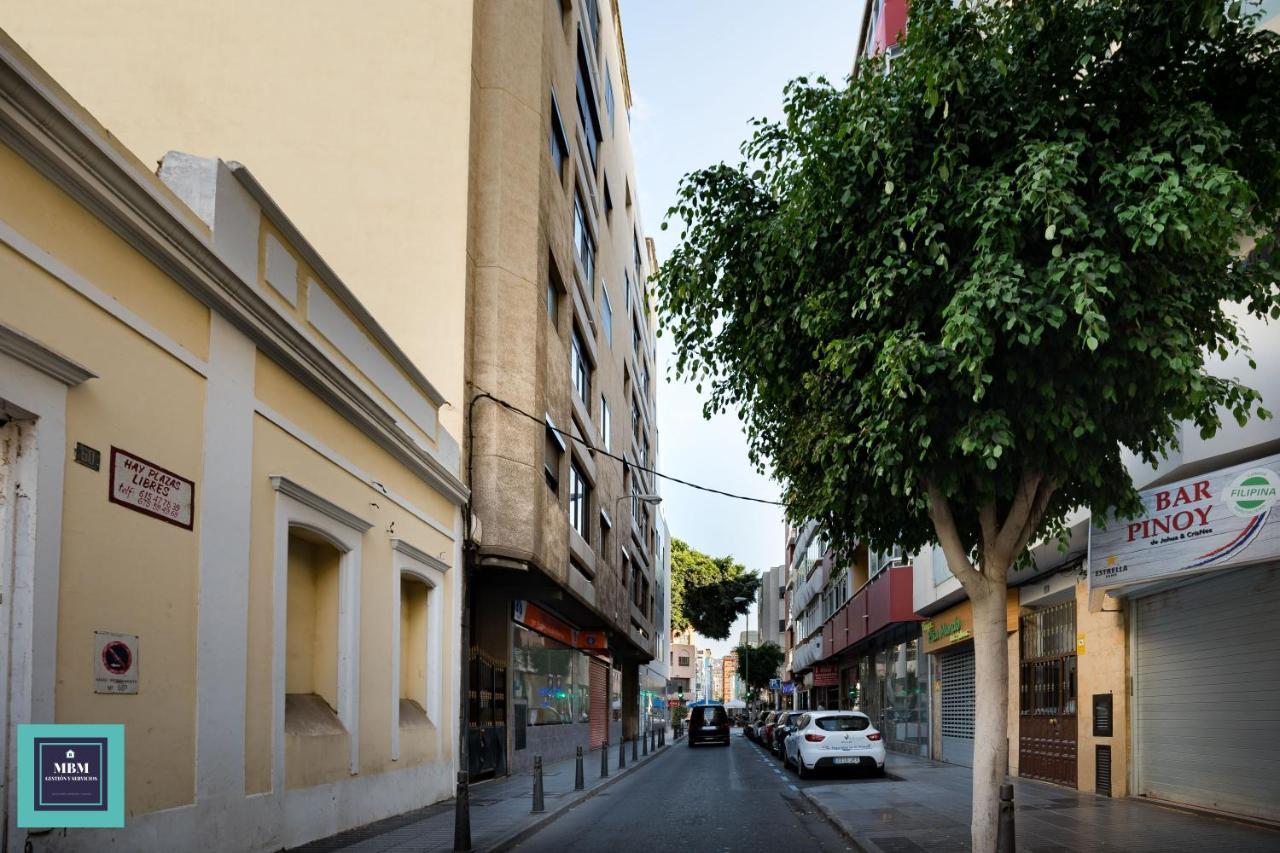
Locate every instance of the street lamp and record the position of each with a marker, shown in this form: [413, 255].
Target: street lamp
[746, 664]
[644, 499]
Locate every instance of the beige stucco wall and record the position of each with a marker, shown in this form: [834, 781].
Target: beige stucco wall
[121, 571]
[330, 80]
[278, 453]
[1103, 667]
[148, 343]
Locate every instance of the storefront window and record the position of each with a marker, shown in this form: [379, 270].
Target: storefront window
[549, 680]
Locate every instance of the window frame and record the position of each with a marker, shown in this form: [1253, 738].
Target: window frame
[418, 565]
[298, 507]
[558, 141]
[579, 366]
[580, 500]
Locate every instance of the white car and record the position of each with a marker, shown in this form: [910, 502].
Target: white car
[834, 739]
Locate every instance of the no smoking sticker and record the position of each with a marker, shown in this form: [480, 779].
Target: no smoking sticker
[115, 662]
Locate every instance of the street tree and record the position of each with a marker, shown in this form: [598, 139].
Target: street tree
[757, 664]
[708, 593]
[945, 298]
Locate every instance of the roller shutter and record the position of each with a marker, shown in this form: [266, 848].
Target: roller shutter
[599, 698]
[1207, 695]
[957, 707]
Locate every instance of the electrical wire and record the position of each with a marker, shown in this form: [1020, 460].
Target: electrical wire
[511, 407]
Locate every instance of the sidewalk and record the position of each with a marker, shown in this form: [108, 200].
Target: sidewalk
[500, 810]
[924, 806]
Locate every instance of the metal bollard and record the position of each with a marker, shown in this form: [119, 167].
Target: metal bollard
[1005, 832]
[579, 780]
[662, 736]
[604, 760]
[622, 751]
[644, 744]
[538, 785]
[462, 815]
[635, 747]
[653, 740]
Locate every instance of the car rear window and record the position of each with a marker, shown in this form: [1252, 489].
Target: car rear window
[843, 724]
[712, 714]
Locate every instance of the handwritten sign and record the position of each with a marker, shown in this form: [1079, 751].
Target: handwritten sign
[151, 490]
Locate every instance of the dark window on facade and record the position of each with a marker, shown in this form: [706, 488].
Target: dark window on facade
[608, 96]
[559, 142]
[591, 12]
[606, 315]
[579, 370]
[587, 107]
[555, 287]
[684, 661]
[584, 244]
[606, 425]
[553, 452]
[579, 498]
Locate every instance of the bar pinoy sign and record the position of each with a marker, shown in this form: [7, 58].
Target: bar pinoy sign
[1226, 518]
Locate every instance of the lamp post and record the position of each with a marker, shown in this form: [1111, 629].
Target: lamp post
[746, 664]
[652, 500]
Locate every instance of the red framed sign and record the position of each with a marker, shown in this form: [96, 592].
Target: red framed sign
[147, 488]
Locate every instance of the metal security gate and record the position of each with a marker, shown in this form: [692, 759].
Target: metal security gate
[1047, 719]
[1207, 699]
[598, 714]
[957, 707]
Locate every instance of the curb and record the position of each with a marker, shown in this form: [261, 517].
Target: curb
[845, 832]
[523, 833]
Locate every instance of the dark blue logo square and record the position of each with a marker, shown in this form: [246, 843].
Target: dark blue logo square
[71, 774]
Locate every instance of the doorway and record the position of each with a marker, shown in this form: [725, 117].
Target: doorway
[1047, 731]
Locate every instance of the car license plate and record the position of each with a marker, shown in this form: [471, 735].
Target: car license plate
[846, 761]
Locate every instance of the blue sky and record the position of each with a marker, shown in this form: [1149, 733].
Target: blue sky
[700, 71]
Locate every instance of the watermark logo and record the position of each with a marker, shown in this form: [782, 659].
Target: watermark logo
[70, 775]
[1253, 492]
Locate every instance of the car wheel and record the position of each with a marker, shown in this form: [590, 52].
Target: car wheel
[801, 771]
[879, 771]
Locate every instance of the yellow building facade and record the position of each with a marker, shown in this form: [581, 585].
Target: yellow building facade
[210, 449]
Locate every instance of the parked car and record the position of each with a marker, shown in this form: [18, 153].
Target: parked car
[708, 724]
[834, 739]
[784, 726]
[766, 728]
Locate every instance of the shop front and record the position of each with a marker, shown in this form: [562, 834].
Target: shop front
[1201, 572]
[887, 681]
[560, 686]
[946, 638]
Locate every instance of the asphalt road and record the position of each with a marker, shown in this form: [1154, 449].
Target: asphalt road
[710, 798]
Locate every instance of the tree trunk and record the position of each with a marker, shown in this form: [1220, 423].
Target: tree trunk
[991, 718]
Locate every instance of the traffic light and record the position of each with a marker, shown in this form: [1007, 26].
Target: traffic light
[680, 693]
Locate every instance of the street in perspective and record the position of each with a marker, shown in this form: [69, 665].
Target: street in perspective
[634, 425]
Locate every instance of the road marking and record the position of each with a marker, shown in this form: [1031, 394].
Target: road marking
[794, 788]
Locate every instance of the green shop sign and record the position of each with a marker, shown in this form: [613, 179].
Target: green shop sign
[946, 629]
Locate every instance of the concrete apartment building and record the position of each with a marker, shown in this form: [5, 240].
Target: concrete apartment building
[480, 195]
[1129, 647]
[729, 684]
[684, 661]
[237, 514]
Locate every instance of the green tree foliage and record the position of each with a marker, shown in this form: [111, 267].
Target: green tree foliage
[943, 299]
[758, 664]
[703, 590]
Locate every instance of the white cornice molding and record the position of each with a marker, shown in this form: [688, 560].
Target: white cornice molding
[322, 269]
[31, 352]
[306, 497]
[418, 554]
[53, 139]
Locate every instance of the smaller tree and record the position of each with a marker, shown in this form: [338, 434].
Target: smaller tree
[708, 593]
[758, 664]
